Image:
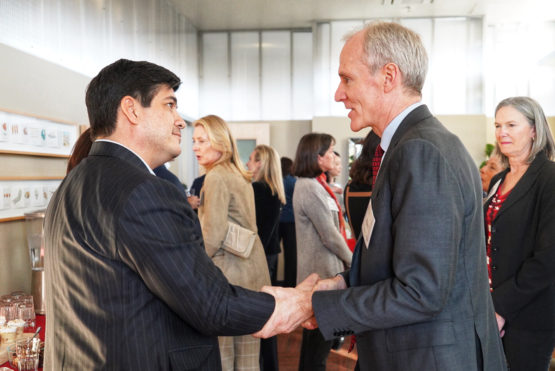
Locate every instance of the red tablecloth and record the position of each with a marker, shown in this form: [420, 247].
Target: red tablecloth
[40, 321]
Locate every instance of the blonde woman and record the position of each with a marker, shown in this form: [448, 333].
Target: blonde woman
[227, 196]
[269, 196]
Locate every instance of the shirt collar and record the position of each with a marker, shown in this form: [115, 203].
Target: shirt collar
[394, 124]
[130, 150]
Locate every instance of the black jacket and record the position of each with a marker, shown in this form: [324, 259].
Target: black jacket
[267, 217]
[523, 249]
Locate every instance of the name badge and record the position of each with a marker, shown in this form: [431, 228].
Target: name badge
[368, 224]
[332, 204]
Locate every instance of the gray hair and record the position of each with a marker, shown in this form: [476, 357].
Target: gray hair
[533, 112]
[388, 42]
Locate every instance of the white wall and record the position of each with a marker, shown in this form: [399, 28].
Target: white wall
[33, 86]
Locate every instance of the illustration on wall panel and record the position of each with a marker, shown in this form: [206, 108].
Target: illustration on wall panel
[25, 134]
[21, 196]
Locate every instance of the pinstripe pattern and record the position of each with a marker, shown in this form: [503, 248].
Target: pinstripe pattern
[129, 283]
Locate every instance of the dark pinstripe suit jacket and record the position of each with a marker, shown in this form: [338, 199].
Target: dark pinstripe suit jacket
[129, 285]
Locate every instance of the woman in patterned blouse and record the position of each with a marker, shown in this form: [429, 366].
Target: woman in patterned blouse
[520, 234]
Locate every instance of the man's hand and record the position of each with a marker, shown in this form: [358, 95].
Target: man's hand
[293, 307]
[500, 324]
[335, 283]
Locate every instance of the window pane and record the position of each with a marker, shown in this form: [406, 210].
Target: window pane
[322, 70]
[215, 87]
[276, 75]
[302, 76]
[245, 76]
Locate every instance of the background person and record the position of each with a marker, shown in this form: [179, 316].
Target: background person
[287, 233]
[194, 192]
[227, 196]
[269, 196]
[359, 188]
[492, 166]
[333, 174]
[520, 234]
[321, 244]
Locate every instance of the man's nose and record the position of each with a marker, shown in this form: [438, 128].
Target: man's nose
[180, 123]
[339, 94]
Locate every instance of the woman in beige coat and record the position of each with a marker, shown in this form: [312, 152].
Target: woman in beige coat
[227, 196]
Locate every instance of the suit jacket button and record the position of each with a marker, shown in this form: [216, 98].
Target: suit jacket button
[494, 267]
[493, 229]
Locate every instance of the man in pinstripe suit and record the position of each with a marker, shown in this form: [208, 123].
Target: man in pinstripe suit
[129, 285]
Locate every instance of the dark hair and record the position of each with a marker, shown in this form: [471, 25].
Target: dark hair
[306, 158]
[361, 168]
[81, 149]
[140, 80]
[286, 166]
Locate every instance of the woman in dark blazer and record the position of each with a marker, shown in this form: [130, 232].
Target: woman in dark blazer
[520, 234]
[269, 196]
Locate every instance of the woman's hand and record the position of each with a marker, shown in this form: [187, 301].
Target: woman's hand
[194, 201]
[500, 324]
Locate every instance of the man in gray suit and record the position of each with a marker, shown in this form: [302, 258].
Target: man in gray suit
[129, 284]
[417, 294]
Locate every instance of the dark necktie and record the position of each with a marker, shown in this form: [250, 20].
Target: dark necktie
[376, 162]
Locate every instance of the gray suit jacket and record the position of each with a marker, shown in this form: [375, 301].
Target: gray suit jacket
[320, 246]
[129, 284]
[420, 300]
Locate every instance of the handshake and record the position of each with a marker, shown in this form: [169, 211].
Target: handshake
[294, 305]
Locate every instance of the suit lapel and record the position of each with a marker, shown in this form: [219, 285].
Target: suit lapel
[524, 184]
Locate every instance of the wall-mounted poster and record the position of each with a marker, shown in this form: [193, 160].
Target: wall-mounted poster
[18, 197]
[36, 136]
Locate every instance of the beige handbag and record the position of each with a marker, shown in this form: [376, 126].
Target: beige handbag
[239, 240]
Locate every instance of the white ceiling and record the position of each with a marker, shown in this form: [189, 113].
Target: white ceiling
[276, 14]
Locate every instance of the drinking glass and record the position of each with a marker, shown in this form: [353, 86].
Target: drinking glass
[8, 310]
[26, 312]
[28, 352]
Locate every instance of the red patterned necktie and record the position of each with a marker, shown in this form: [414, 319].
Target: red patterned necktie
[376, 162]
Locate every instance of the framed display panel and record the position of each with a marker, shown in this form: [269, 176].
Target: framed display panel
[355, 147]
[31, 135]
[20, 196]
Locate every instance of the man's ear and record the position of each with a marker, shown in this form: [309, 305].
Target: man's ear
[392, 76]
[129, 107]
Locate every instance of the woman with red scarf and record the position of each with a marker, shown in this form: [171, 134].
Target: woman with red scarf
[320, 229]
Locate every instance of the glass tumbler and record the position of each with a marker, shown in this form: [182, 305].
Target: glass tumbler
[28, 353]
[26, 312]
